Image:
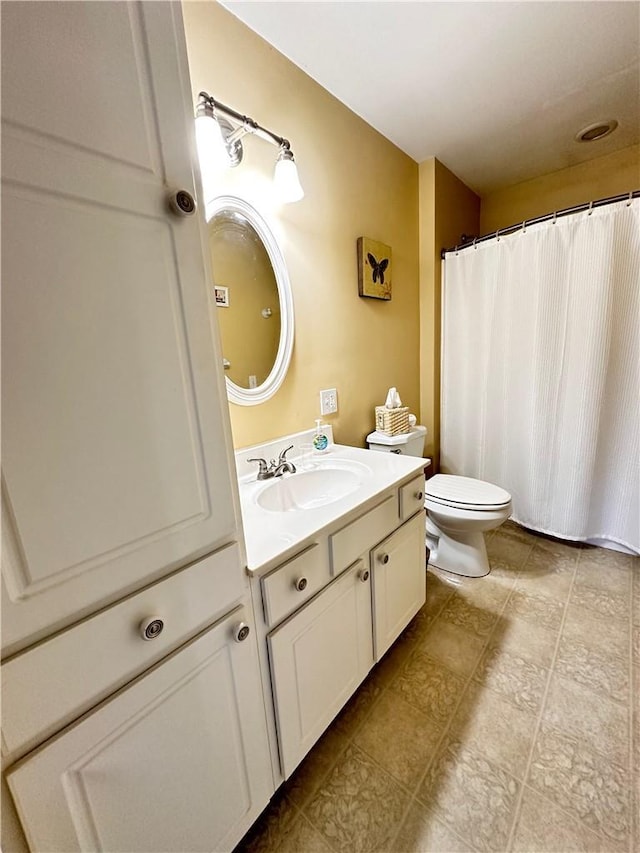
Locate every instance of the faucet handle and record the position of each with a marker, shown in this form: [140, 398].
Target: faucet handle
[283, 454]
[263, 469]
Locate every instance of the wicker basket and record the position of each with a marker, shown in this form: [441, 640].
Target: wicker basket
[392, 421]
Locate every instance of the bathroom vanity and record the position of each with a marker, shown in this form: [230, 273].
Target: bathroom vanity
[337, 571]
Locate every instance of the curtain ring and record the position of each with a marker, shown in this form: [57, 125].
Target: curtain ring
[630, 198]
[555, 216]
[590, 208]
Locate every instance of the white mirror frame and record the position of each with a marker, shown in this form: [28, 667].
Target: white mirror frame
[253, 396]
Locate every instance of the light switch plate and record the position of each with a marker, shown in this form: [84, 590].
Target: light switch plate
[328, 402]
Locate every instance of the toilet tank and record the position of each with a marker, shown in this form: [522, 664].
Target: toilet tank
[408, 444]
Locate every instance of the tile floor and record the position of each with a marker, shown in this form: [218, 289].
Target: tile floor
[505, 718]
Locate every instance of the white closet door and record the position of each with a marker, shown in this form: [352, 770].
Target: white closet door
[114, 434]
[178, 761]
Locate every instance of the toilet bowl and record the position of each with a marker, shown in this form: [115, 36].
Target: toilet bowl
[459, 511]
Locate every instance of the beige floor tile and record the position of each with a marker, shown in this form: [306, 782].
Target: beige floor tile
[589, 716]
[581, 781]
[476, 620]
[301, 837]
[550, 556]
[609, 557]
[548, 574]
[489, 724]
[635, 607]
[456, 648]
[542, 828]
[400, 738]
[438, 593]
[604, 602]
[597, 632]
[359, 807]
[524, 639]
[472, 794]
[487, 593]
[311, 773]
[508, 550]
[539, 609]
[602, 575]
[517, 679]
[359, 706]
[635, 645]
[604, 672]
[515, 530]
[430, 687]
[422, 832]
[266, 833]
[557, 547]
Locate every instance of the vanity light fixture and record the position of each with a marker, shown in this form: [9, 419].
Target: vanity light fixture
[219, 131]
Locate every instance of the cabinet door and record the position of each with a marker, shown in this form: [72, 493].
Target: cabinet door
[319, 656]
[178, 761]
[114, 420]
[399, 581]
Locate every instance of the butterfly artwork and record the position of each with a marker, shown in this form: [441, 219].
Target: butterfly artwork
[374, 269]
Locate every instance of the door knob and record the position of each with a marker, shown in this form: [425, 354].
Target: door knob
[241, 632]
[182, 203]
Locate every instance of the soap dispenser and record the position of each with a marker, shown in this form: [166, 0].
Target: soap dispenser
[320, 440]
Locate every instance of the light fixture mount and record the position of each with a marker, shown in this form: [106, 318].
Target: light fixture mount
[234, 126]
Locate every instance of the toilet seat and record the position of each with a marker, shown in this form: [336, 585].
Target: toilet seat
[465, 493]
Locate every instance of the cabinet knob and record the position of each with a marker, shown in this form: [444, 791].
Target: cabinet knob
[364, 575]
[301, 584]
[241, 632]
[384, 559]
[151, 628]
[419, 496]
[182, 203]
[397, 450]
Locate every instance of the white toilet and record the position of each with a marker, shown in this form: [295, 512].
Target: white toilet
[459, 510]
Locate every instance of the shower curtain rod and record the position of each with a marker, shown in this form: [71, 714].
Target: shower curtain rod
[473, 241]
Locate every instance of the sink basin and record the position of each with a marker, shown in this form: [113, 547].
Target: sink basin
[310, 489]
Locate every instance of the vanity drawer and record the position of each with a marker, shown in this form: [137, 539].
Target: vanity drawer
[290, 585]
[348, 544]
[412, 497]
[51, 684]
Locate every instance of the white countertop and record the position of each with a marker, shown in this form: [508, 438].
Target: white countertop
[271, 537]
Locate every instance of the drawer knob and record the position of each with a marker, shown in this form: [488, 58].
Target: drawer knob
[397, 450]
[364, 575]
[384, 559]
[241, 632]
[301, 584]
[419, 496]
[151, 628]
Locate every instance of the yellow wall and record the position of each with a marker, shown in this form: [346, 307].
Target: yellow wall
[356, 184]
[448, 208]
[599, 178]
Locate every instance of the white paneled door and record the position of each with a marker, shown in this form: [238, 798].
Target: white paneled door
[178, 761]
[114, 449]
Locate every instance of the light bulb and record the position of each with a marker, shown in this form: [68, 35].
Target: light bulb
[212, 149]
[285, 179]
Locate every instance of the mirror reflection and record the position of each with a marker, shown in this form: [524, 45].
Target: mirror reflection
[246, 293]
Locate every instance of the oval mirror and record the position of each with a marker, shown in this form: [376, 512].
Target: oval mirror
[253, 294]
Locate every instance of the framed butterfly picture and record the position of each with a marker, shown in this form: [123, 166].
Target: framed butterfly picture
[374, 269]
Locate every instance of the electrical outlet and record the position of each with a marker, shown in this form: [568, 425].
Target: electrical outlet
[328, 402]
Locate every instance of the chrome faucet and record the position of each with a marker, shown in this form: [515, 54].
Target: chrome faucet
[283, 466]
[275, 469]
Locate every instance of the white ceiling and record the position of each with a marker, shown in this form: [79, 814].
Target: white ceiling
[495, 90]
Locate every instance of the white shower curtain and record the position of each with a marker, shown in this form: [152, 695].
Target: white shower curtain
[541, 372]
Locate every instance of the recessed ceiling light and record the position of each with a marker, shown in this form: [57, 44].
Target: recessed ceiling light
[598, 130]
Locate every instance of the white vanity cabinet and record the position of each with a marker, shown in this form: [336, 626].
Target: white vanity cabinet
[335, 608]
[318, 657]
[176, 761]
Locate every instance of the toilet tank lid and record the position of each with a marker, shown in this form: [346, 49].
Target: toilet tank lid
[466, 491]
[376, 437]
